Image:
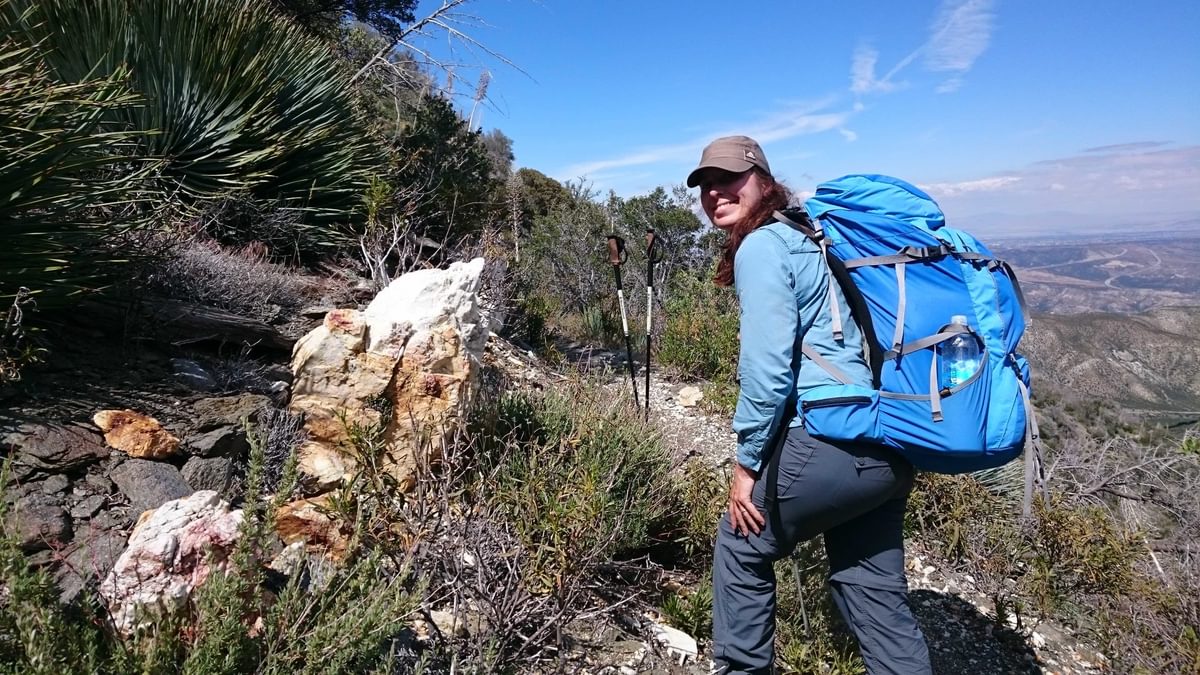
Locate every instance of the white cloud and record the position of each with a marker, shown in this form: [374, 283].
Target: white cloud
[1123, 148]
[960, 34]
[992, 184]
[1112, 179]
[862, 72]
[795, 120]
[950, 86]
[849, 135]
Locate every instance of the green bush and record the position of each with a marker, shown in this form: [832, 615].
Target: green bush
[564, 258]
[691, 611]
[1070, 561]
[1078, 551]
[810, 636]
[445, 172]
[700, 336]
[578, 477]
[58, 162]
[704, 494]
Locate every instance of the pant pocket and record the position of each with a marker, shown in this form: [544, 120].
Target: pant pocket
[876, 463]
[796, 452]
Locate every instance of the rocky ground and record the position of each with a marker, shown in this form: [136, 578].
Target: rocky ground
[958, 620]
[74, 499]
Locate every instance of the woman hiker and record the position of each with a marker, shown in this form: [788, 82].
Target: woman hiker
[854, 493]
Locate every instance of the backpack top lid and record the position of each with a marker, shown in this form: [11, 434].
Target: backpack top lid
[877, 194]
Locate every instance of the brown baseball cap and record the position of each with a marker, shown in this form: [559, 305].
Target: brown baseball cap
[731, 153]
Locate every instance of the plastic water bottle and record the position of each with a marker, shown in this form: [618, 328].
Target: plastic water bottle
[960, 355]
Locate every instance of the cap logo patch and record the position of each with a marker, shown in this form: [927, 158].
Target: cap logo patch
[749, 154]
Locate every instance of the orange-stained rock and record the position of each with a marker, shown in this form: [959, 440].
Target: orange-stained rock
[307, 521]
[136, 434]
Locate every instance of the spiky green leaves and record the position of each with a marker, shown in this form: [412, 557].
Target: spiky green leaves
[57, 159]
[238, 98]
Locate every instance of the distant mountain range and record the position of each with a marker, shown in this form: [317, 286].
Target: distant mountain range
[1064, 224]
[1107, 274]
[1116, 317]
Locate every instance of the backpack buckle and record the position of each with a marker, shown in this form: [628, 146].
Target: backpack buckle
[926, 252]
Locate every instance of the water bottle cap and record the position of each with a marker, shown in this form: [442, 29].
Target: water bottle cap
[959, 319]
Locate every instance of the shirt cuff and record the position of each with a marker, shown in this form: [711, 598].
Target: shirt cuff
[749, 459]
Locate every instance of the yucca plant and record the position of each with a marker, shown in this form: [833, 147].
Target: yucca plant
[61, 168]
[241, 99]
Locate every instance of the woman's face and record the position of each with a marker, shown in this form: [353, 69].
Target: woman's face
[729, 197]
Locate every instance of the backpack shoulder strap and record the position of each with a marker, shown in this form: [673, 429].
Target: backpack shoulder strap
[798, 219]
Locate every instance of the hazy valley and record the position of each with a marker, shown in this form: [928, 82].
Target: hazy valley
[1115, 319]
[1108, 273]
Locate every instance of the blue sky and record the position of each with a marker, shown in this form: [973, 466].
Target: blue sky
[1049, 108]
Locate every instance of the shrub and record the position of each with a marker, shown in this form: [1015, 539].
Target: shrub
[564, 259]
[57, 163]
[692, 611]
[704, 493]
[1154, 627]
[237, 98]
[1071, 561]
[534, 316]
[579, 479]
[239, 280]
[699, 338]
[1077, 552]
[445, 168]
[810, 636]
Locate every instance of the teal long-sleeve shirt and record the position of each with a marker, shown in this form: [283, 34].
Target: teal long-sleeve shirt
[782, 285]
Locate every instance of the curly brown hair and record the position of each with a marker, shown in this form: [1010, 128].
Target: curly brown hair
[775, 196]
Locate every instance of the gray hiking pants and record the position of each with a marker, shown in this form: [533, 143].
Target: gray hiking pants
[855, 494]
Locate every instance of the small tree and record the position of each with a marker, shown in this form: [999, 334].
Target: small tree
[444, 165]
[322, 18]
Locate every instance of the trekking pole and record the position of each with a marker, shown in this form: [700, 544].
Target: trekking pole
[616, 257]
[800, 590]
[653, 255]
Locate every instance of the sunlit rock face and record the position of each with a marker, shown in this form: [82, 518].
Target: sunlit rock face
[404, 367]
[136, 434]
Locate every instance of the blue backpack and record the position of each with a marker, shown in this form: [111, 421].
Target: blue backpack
[905, 274]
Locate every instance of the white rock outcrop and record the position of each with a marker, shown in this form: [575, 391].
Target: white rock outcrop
[406, 364]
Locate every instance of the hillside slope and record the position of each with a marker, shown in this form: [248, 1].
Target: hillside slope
[1149, 361]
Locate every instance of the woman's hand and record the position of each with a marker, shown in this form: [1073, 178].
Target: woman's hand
[743, 515]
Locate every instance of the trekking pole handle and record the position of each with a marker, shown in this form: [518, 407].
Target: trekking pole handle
[652, 249]
[616, 251]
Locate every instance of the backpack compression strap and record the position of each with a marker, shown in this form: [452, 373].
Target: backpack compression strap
[1035, 462]
[910, 254]
[906, 255]
[935, 391]
[860, 313]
